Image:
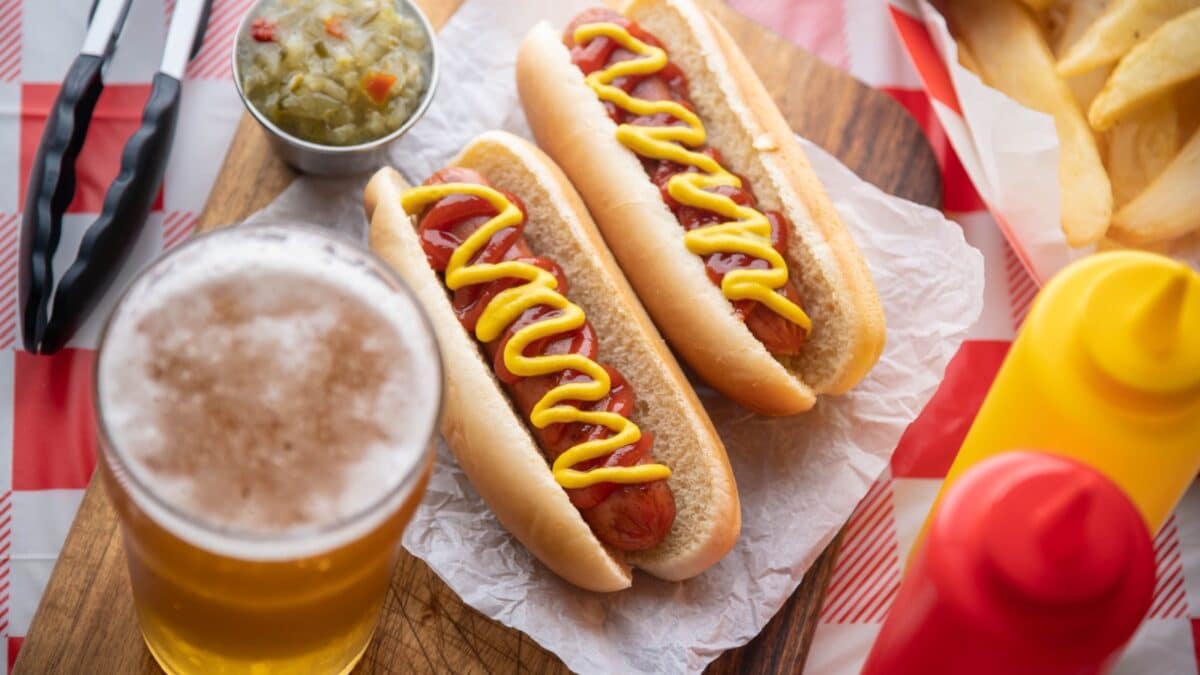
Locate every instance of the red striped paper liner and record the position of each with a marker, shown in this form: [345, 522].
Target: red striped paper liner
[10, 40]
[213, 60]
[866, 576]
[10, 236]
[935, 77]
[177, 226]
[5, 558]
[1170, 596]
[1021, 286]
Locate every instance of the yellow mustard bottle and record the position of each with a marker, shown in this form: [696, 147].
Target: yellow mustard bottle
[1106, 370]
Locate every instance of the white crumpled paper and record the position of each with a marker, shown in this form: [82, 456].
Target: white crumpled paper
[799, 478]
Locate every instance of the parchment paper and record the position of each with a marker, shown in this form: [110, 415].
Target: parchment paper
[799, 478]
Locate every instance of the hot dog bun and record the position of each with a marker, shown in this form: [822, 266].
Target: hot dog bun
[744, 124]
[491, 441]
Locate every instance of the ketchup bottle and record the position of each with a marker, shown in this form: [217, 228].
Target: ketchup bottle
[1106, 369]
[1033, 564]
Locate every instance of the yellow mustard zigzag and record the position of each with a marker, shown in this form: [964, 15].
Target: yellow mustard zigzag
[539, 289]
[748, 231]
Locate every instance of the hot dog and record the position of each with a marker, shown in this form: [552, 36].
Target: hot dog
[677, 149]
[562, 406]
[631, 517]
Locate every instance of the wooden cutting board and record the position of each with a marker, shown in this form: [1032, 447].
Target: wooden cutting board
[86, 620]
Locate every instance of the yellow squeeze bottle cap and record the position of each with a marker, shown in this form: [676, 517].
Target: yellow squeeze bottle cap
[1141, 327]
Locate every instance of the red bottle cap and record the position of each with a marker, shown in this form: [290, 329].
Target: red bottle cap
[1033, 564]
[1058, 536]
[1043, 549]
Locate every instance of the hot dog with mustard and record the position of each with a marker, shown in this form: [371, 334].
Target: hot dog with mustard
[680, 154]
[563, 408]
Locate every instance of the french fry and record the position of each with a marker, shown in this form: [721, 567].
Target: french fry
[1077, 16]
[1014, 58]
[1110, 244]
[1086, 87]
[965, 58]
[1170, 55]
[1140, 146]
[1186, 247]
[1054, 20]
[1187, 102]
[1122, 26]
[1038, 5]
[1169, 207]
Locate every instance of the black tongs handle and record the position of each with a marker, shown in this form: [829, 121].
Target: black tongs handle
[107, 242]
[51, 188]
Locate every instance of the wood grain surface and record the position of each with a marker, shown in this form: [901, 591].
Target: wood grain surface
[86, 620]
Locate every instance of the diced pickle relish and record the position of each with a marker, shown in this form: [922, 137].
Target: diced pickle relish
[334, 72]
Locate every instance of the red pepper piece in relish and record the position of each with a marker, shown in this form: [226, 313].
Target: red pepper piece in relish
[262, 30]
[335, 26]
[377, 85]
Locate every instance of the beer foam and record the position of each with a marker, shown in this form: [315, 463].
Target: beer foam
[266, 381]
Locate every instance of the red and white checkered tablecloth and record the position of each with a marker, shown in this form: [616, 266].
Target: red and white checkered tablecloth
[47, 431]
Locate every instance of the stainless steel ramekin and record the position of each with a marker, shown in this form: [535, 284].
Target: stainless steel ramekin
[338, 160]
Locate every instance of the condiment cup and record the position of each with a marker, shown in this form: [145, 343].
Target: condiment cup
[338, 160]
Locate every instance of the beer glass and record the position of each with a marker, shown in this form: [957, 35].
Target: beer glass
[267, 399]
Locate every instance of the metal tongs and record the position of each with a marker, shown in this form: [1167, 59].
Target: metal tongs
[107, 241]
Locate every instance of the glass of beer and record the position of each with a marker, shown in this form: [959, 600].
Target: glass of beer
[267, 399]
